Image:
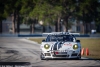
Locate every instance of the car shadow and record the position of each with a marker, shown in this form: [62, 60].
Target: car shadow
[15, 63]
[75, 59]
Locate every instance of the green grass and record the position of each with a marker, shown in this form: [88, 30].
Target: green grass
[38, 40]
[93, 44]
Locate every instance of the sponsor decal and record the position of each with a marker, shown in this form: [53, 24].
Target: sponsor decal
[68, 44]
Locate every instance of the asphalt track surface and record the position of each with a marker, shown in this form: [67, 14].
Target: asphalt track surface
[14, 49]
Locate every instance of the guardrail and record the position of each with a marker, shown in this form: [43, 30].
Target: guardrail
[40, 35]
[30, 35]
[8, 35]
[37, 35]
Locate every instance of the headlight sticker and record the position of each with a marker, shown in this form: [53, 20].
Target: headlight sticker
[46, 46]
[75, 46]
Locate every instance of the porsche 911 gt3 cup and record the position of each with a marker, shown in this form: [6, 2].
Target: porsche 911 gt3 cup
[62, 45]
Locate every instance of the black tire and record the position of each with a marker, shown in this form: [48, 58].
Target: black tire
[78, 58]
[42, 57]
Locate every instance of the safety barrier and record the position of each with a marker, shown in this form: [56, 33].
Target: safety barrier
[41, 35]
[30, 35]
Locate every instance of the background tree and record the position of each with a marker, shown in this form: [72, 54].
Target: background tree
[47, 11]
[97, 15]
[27, 7]
[12, 8]
[3, 13]
[51, 11]
[87, 12]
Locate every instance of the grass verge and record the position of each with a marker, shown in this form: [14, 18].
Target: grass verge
[93, 44]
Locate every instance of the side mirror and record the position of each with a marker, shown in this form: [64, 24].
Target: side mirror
[77, 40]
[43, 40]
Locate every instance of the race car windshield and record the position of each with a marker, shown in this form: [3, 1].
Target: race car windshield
[60, 38]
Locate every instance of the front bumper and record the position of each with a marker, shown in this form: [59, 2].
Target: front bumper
[71, 54]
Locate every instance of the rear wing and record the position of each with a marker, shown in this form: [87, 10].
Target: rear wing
[59, 33]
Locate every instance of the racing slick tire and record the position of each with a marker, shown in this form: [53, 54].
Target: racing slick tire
[42, 57]
[78, 58]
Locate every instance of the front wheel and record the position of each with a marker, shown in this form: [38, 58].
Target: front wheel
[42, 57]
[78, 58]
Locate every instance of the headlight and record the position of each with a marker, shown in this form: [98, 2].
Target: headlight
[75, 46]
[46, 46]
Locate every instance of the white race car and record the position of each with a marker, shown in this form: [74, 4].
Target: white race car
[60, 46]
